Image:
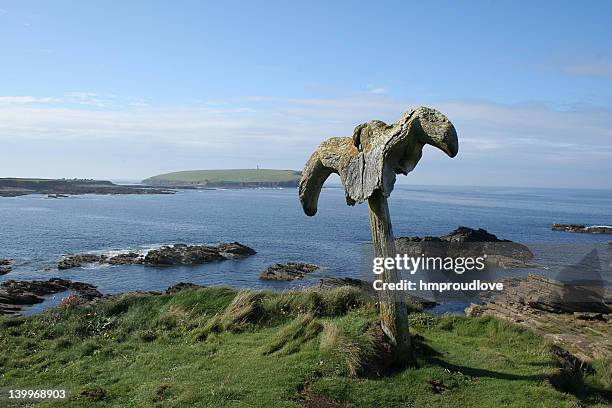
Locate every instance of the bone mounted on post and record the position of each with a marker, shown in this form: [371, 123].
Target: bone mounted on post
[369, 160]
[367, 164]
[332, 156]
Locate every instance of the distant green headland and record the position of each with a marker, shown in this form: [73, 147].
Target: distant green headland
[229, 178]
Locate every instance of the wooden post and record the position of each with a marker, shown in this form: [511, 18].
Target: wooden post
[393, 312]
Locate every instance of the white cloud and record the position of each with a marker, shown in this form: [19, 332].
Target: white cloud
[17, 100]
[589, 67]
[89, 99]
[138, 104]
[482, 125]
[506, 138]
[376, 90]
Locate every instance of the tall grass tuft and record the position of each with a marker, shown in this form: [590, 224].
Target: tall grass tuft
[352, 354]
[330, 303]
[291, 337]
[244, 309]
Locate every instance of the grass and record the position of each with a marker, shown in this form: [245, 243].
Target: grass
[220, 348]
[227, 176]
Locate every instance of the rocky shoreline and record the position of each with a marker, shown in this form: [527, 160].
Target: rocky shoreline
[579, 228]
[15, 295]
[574, 317]
[167, 255]
[288, 271]
[62, 188]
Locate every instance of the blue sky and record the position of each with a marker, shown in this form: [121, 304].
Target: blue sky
[124, 90]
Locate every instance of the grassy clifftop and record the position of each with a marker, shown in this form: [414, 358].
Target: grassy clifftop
[228, 177]
[221, 348]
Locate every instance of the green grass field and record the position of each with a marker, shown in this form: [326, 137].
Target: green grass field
[226, 176]
[216, 348]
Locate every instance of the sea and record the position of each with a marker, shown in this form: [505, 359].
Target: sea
[36, 231]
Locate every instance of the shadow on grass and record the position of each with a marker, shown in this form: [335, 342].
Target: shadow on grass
[481, 372]
[573, 383]
[568, 379]
[426, 353]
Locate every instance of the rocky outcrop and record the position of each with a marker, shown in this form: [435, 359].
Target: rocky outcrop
[468, 242]
[14, 295]
[77, 261]
[288, 271]
[182, 286]
[235, 250]
[167, 255]
[181, 254]
[129, 258]
[6, 266]
[550, 295]
[595, 229]
[576, 318]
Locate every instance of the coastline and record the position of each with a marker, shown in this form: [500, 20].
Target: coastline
[62, 188]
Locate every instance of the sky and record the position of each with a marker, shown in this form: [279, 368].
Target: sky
[129, 89]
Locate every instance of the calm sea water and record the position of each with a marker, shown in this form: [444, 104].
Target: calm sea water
[36, 231]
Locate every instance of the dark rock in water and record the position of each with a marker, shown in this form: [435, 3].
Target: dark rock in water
[596, 229]
[235, 249]
[14, 294]
[9, 310]
[181, 254]
[182, 286]
[54, 285]
[77, 261]
[609, 244]
[288, 271]
[568, 227]
[177, 254]
[574, 317]
[17, 297]
[468, 242]
[129, 258]
[5, 266]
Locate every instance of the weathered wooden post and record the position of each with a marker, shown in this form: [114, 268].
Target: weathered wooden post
[367, 165]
